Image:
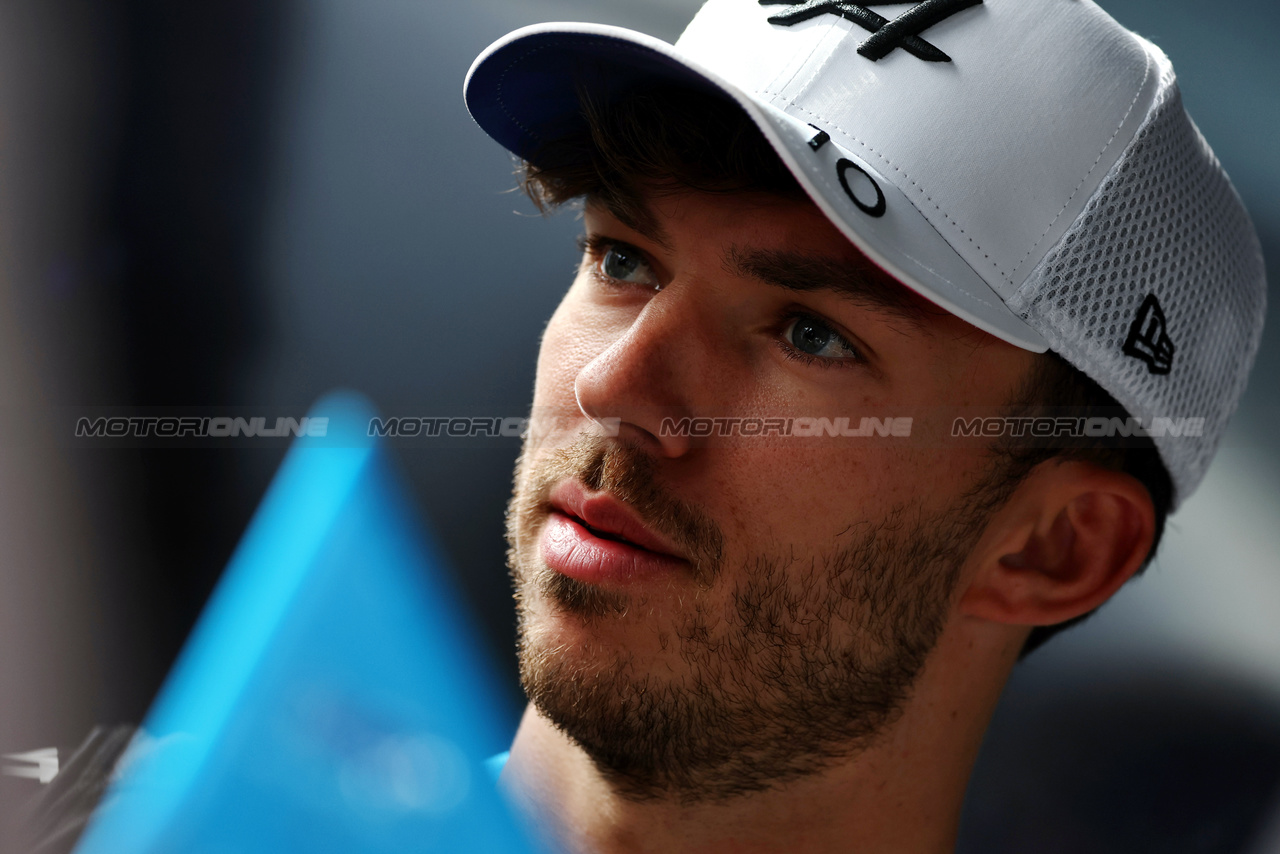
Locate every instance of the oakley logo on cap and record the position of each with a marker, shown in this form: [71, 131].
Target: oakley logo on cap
[1149, 337]
[886, 36]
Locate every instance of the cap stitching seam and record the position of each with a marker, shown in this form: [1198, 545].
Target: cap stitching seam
[895, 168]
[780, 84]
[502, 101]
[820, 118]
[1145, 77]
[804, 87]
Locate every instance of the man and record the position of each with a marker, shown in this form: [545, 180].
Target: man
[986, 235]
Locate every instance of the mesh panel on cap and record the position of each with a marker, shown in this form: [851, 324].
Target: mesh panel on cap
[1165, 221]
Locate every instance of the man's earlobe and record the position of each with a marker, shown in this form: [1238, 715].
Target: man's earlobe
[1067, 539]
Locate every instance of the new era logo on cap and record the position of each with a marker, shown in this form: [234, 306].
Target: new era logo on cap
[1149, 337]
[886, 36]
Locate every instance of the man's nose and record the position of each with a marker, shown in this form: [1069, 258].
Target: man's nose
[648, 377]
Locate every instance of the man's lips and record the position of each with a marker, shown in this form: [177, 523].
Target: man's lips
[594, 537]
[606, 516]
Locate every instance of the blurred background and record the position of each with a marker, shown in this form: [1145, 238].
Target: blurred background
[238, 206]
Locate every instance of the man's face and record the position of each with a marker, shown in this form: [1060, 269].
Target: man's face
[710, 616]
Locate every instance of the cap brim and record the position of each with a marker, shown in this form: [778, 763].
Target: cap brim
[523, 91]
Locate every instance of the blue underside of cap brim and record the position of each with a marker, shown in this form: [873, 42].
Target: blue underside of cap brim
[526, 92]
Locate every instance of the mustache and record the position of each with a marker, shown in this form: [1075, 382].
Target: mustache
[629, 474]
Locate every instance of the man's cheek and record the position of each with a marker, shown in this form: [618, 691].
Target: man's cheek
[796, 490]
[571, 340]
[575, 337]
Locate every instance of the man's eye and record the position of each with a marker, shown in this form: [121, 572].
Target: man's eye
[810, 338]
[625, 264]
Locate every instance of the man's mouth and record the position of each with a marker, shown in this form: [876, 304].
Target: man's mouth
[596, 538]
[603, 534]
[608, 517]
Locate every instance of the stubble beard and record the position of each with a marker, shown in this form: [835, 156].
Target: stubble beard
[815, 656]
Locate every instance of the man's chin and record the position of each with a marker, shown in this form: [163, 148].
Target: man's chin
[586, 627]
[567, 595]
[660, 733]
[589, 692]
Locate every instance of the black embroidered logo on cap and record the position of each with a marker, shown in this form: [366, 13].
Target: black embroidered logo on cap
[842, 172]
[886, 36]
[1149, 337]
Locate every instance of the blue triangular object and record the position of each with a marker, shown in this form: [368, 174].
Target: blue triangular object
[332, 696]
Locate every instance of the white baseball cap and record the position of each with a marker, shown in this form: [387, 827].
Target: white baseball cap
[1025, 164]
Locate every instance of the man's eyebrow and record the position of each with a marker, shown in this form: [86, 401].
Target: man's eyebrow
[633, 211]
[863, 283]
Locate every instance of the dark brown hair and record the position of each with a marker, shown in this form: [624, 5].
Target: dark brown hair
[669, 140]
[662, 140]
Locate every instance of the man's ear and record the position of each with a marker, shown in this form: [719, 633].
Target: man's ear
[1070, 535]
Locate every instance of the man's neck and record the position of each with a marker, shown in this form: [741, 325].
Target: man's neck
[902, 794]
